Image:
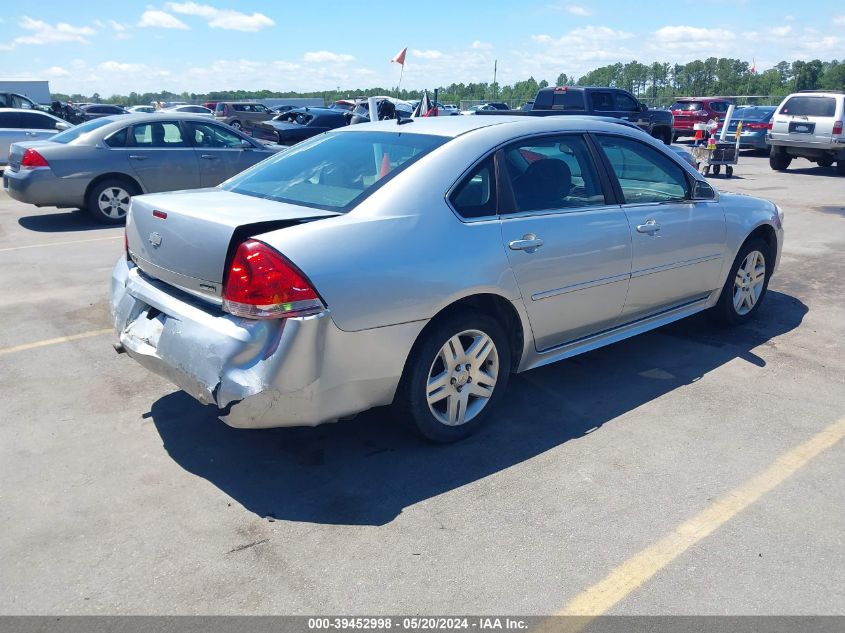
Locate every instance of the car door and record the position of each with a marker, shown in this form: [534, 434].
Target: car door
[568, 245]
[161, 157]
[678, 243]
[222, 153]
[38, 126]
[10, 132]
[629, 109]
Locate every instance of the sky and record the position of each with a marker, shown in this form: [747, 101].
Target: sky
[120, 47]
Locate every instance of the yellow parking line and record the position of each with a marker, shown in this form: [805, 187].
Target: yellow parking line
[53, 341]
[638, 569]
[93, 239]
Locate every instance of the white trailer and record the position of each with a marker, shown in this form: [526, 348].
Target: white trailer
[37, 91]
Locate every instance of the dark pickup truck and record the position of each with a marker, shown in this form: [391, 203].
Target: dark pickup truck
[597, 101]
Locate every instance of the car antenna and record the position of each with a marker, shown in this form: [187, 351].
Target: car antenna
[401, 121]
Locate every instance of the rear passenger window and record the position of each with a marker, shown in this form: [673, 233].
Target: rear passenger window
[118, 139]
[553, 173]
[33, 121]
[475, 197]
[602, 101]
[165, 134]
[644, 174]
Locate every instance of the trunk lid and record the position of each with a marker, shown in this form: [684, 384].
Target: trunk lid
[184, 238]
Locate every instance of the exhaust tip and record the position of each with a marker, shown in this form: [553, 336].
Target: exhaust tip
[118, 347]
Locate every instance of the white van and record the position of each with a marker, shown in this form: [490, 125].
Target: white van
[809, 124]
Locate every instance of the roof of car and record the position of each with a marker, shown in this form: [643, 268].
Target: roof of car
[454, 126]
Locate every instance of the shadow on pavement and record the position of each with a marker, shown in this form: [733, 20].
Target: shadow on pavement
[70, 220]
[815, 170]
[365, 471]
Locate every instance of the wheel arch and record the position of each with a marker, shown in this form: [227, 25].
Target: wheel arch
[767, 233]
[489, 303]
[114, 175]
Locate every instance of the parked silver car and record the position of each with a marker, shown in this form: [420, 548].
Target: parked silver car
[99, 165]
[26, 125]
[421, 264]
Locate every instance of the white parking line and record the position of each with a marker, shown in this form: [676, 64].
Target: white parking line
[93, 239]
[53, 341]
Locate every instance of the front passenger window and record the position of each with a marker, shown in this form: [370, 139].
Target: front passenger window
[644, 174]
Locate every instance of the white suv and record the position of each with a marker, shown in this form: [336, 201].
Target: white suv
[808, 124]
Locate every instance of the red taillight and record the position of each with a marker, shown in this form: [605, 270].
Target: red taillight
[769, 125]
[837, 128]
[262, 284]
[757, 126]
[32, 159]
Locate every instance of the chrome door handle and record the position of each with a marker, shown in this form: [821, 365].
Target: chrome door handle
[208, 156]
[137, 156]
[651, 227]
[529, 243]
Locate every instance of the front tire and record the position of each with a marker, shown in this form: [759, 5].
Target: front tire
[455, 376]
[108, 200]
[825, 161]
[747, 283]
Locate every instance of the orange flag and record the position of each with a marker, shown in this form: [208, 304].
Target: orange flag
[400, 57]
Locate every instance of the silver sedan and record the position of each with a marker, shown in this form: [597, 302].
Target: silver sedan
[420, 264]
[99, 165]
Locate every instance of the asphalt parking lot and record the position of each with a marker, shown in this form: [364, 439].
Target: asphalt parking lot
[122, 495]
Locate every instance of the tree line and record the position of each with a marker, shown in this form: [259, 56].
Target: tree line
[657, 82]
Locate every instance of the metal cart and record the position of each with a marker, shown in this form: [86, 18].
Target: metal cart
[724, 153]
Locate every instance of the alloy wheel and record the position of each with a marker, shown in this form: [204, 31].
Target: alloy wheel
[462, 377]
[113, 202]
[748, 284]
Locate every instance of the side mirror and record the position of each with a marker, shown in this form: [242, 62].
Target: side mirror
[61, 126]
[703, 191]
[245, 144]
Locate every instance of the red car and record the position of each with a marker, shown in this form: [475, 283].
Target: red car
[687, 111]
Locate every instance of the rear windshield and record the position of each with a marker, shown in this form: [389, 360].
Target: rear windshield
[687, 106]
[80, 130]
[333, 171]
[754, 114]
[569, 100]
[809, 106]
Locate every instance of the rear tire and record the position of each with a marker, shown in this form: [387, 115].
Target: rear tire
[825, 161]
[779, 161]
[747, 284]
[663, 135]
[108, 200]
[455, 376]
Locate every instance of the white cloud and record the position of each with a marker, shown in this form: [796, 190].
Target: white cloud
[481, 46]
[427, 54]
[222, 18]
[327, 57]
[690, 41]
[839, 19]
[153, 18]
[780, 31]
[577, 9]
[41, 32]
[55, 71]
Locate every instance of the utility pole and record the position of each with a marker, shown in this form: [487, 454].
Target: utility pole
[495, 65]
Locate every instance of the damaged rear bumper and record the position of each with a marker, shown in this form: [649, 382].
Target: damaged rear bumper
[259, 373]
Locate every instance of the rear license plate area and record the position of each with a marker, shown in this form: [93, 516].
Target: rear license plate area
[801, 127]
